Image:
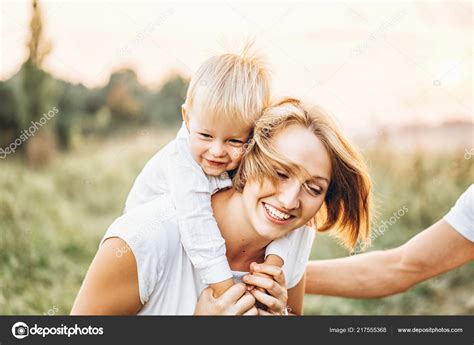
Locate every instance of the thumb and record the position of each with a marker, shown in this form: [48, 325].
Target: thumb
[233, 293]
[207, 294]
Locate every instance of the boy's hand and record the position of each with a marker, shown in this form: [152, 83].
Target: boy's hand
[235, 301]
[274, 299]
[273, 260]
[218, 289]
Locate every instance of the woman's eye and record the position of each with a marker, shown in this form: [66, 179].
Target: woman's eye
[313, 190]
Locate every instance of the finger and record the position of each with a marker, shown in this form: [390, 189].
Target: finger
[273, 271]
[251, 312]
[207, 293]
[245, 303]
[264, 312]
[263, 275]
[268, 284]
[232, 294]
[271, 302]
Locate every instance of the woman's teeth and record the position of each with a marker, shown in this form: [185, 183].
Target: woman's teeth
[275, 213]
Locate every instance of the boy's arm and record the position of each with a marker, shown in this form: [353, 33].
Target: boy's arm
[200, 235]
[280, 247]
[438, 249]
[276, 253]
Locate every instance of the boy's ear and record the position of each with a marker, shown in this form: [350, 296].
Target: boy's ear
[185, 115]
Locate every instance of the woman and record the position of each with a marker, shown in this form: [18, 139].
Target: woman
[298, 170]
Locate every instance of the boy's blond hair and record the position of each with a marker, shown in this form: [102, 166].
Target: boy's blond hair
[231, 87]
[347, 205]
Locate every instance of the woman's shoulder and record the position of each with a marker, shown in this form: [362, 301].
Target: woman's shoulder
[147, 225]
[303, 236]
[150, 233]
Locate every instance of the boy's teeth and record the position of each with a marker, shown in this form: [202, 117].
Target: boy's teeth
[276, 213]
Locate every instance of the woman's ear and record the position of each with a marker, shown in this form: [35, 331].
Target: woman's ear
[185, 115]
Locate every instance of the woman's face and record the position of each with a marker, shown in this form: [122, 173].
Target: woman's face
[275, 210]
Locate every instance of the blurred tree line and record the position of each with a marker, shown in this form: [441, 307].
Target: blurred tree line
[81, 111]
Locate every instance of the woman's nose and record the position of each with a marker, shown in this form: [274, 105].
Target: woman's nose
[217, 149]
[289, 194]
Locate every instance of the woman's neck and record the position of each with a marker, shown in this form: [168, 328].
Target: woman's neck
[243, 243]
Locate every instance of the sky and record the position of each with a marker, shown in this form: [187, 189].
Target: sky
[367, 63]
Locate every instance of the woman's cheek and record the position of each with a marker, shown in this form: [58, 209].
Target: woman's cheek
[313, 207]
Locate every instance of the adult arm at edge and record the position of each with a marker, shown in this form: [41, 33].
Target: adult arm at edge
[436, 250]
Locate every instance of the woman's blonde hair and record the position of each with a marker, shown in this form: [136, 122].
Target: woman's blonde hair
[232, 87]
[347, 205]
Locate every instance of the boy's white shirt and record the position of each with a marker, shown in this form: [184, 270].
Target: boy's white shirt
[174, 172]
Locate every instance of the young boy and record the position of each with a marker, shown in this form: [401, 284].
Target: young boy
[225, 97]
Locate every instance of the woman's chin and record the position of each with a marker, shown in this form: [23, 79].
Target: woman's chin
[270, 234]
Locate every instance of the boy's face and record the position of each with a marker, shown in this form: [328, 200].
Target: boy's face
[216, 147]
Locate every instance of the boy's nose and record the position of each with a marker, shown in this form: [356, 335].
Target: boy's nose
[217, 149]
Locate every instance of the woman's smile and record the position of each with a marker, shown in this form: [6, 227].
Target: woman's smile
[277, 216]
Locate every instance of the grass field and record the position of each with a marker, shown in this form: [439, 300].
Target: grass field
[51, 221]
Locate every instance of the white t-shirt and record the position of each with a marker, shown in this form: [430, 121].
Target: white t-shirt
[461, 216]
[168, 282]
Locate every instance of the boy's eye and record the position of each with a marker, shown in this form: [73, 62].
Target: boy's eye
[204, 135]
[236, 141]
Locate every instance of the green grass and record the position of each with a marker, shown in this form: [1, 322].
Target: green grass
[52, 219]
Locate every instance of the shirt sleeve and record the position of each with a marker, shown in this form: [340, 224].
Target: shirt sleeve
[280, 246]
[461, 215]
[200, 234]
[301, 243]
[142, 231]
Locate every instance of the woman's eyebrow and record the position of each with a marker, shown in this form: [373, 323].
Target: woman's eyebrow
[320, 178]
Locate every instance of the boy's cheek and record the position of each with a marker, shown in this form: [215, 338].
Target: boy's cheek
[196, 150]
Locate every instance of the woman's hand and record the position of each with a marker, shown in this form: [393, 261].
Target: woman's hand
[235, 301]
[277, 297]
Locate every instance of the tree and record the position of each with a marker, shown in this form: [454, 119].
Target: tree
[36, 92]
